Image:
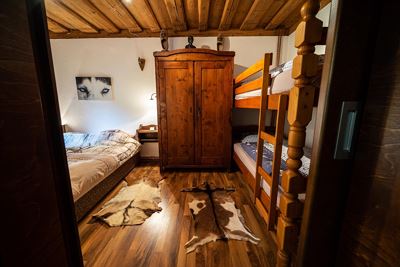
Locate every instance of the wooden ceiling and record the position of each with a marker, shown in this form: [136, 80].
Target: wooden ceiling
[145, 18]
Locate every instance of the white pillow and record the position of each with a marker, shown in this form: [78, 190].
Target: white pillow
[253, 138]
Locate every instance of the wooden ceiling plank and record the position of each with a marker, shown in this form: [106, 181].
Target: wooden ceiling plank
[158, 7]
[204, 11]
[90, 13]
[216, 9]
[60, 21]
[55, 27]
[255, 14]
[271, 12]
[142, 12]
[118, 14]
[283, 14]
[64, 16]
[192, 13]
[176, 13]
[241, 13]
[194, 32]
[228, 13]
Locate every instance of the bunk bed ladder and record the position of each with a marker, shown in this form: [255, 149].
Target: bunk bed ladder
[269, 215]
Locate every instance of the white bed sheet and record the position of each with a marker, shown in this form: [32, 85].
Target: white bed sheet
[280, 84]
[251, 166]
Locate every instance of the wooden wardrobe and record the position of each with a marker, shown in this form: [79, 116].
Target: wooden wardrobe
[194, 98]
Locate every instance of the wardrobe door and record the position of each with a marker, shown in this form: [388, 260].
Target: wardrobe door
[176, 103]
[213, 87]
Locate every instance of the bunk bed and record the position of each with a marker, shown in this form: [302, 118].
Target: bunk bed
[279, 194]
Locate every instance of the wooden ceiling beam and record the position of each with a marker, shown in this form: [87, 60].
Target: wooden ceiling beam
[228, 13]
[142, 11]
[194, 32]
[177, 14]
[204, 11]
[90, 13]
[257, 11]
[56, 27]
[192, 13]
[66, 17]
[159, 8]
[118, 14]
[216, 9]
[283, 14]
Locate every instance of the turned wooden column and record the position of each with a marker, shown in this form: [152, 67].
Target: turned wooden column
[301, 98]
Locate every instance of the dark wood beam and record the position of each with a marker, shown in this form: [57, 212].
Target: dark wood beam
[194, 32]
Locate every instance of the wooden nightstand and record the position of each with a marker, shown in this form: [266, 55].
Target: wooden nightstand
[147, 135]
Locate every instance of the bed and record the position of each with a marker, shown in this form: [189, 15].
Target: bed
[96, 163]
[290, 93]
[245, 153]
[281, 83]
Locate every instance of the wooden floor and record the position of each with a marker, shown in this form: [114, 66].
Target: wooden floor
[160, 240]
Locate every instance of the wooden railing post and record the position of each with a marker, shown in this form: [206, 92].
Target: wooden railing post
[301, 98]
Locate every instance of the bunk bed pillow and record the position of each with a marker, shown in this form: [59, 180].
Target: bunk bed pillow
[114, 142]
[74, 140]
[252, 138]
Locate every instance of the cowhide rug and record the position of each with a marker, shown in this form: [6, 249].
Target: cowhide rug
[215, 217]
[132, 205]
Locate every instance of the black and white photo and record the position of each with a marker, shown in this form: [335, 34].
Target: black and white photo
[94, 88]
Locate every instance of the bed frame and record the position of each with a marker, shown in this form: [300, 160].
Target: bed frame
[285, 220]
[89, 200]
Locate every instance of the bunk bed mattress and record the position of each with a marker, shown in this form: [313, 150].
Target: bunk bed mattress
[281, 83]
[282, 80]
[96, 157]
[246, 152]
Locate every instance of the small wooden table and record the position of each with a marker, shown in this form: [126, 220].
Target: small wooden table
[147, 135]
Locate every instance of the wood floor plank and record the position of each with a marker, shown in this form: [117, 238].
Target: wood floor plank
[160, 240]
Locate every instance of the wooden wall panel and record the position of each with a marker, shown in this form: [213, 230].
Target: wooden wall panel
[38, 223]
[371, 229]
[345, 77]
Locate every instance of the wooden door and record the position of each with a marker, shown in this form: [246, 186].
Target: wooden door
[371, 225]
[176, 103]
[213, 84]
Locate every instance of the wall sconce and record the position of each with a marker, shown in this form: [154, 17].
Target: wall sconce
[153, 96]
[141, 62]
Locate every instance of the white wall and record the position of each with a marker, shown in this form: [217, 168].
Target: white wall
[117, 58]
